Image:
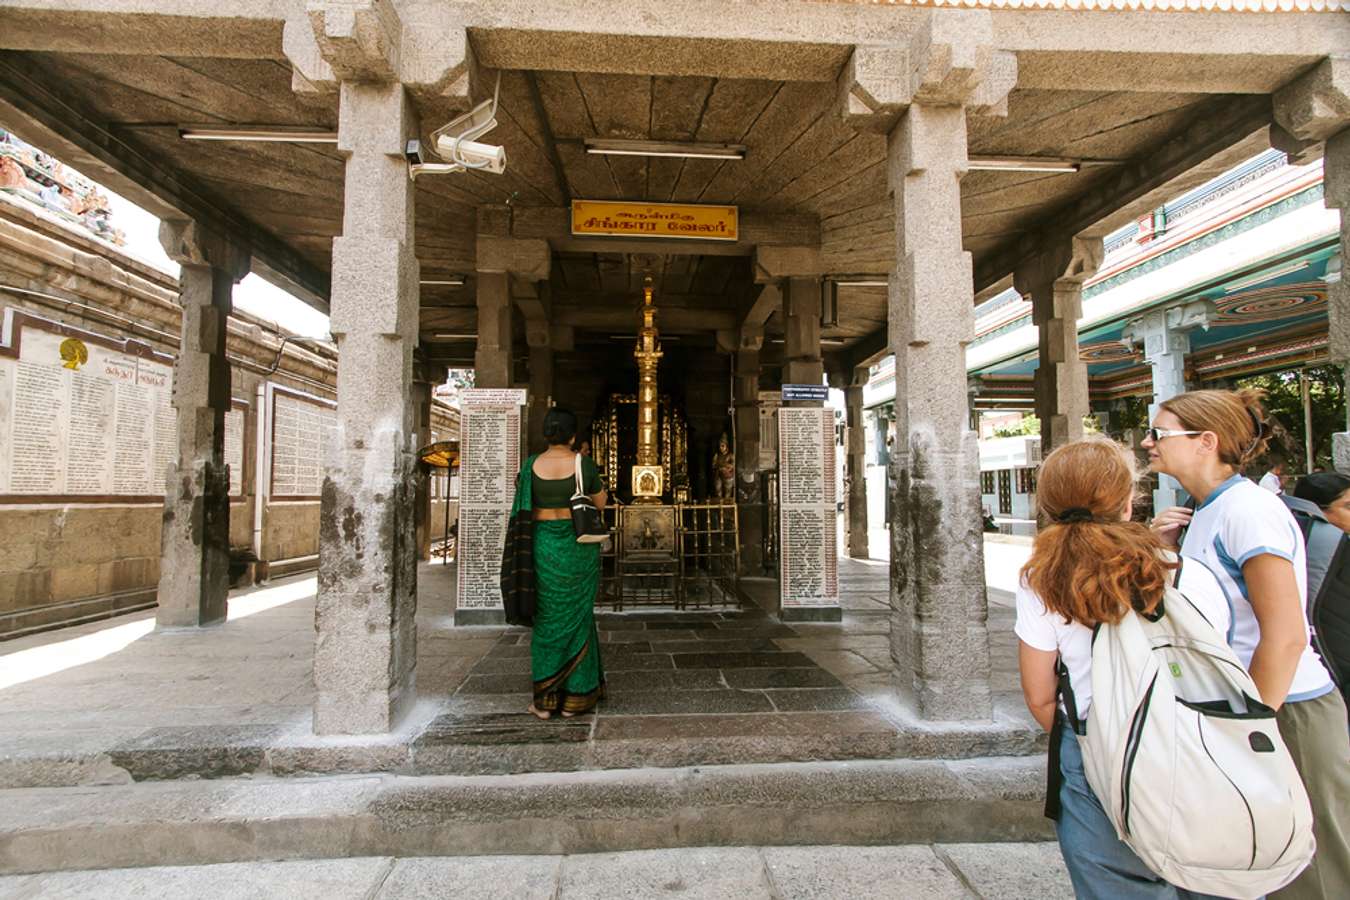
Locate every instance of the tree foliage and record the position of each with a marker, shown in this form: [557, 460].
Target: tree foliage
[1284, 402]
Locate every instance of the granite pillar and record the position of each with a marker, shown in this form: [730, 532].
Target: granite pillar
[1312, 117]
[1165, 337]
[855, 471]
[802, 363]
[1336, 185]
[938, 631]
[492, 355]
[749, 489]
[195, 539]
[1054, 282]
[366, 649]
[421, 398]
[540, 390]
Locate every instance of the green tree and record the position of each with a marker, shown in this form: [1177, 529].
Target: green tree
[1284, 402]
[1029, 425]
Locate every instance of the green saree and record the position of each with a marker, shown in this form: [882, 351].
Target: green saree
[564, 646]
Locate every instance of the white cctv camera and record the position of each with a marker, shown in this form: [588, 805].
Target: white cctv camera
[458, 143]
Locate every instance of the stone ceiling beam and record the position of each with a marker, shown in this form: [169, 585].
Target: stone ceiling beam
[239, 29]
[1216, 138]
[1192, 52]
[671, 319]
[84, 141]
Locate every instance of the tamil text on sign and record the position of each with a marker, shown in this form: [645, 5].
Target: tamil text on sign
[654, 220]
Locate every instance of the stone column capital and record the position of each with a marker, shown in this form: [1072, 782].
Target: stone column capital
[1315, 106]
[527, 259]
[949, 61]
[189, 243]
[774, 264]
[332, 41]
[1076, 259]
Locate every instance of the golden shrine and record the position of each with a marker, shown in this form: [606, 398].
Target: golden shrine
[668, 550]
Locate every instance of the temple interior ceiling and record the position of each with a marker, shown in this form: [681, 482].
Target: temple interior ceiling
[801, 159]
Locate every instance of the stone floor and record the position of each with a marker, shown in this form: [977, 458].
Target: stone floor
[116, 700]
[935, 871]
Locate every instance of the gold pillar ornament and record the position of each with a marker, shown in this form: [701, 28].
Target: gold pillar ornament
[648, 474]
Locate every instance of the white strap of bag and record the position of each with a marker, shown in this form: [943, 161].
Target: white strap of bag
[578, 473]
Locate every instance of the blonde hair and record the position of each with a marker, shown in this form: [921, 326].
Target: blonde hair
[1088, 564]
[1236, 418]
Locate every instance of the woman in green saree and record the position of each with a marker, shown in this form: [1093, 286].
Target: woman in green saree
[565, 646]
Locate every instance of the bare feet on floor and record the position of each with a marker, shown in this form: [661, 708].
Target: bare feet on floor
[537, 713]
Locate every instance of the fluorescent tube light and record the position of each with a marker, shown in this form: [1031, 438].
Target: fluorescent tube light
[1023, 164]
[451, 336]
[685, 150]
[863, 282]
[257, 133]
[449, 282]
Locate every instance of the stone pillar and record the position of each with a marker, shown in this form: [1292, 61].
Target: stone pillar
[366, 649]
[749, 493]
[802, 362]
[541, 385]
[1054, 282]
[1165, 336]
[1312, 118]
[195, 539]
[938, 632]
[855, 509]
[421, 399]
[492, 355]
[1336, 187]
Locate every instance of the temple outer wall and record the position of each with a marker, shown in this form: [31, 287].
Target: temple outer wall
[63, 562]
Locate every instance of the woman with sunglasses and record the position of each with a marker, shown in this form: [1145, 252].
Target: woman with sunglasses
[1249, 539]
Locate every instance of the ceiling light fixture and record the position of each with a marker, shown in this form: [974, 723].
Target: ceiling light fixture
[1023, 164]
[257, 133]
[452, 336]
[863, 282]
[446, 282]
[686, 150]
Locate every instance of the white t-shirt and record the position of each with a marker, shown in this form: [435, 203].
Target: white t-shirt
[1041, 629]
[1235, 523]
[1271, 482]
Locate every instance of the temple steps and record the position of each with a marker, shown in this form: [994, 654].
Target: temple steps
[468, 743]
[197, 821]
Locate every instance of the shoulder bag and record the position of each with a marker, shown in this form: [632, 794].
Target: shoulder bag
[586, 519]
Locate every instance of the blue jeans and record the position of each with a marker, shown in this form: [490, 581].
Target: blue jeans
[1100, 864]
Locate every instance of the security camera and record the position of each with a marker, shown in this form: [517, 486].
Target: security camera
[458, 142]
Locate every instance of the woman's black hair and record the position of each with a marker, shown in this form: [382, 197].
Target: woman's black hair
[560, 425]
[1322, 488]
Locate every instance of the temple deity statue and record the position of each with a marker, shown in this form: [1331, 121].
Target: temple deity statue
[724, 470]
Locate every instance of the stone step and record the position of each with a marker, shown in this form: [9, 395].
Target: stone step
[487, 742]
[190, 822]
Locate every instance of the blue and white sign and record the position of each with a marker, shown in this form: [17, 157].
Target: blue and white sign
[805, 392]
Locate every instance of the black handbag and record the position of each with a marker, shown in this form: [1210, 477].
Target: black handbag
[586, 519]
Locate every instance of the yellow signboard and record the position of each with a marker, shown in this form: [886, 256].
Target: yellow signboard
[654, 220]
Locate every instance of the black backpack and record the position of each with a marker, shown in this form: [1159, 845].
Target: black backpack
[1328, 587]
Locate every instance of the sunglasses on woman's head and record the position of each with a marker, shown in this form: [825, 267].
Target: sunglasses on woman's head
[1157, 434]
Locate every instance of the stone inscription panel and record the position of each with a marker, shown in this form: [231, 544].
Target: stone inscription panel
[489, 443]
[80, 419]
[301, 431]
[808, 552]
[234, 450]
